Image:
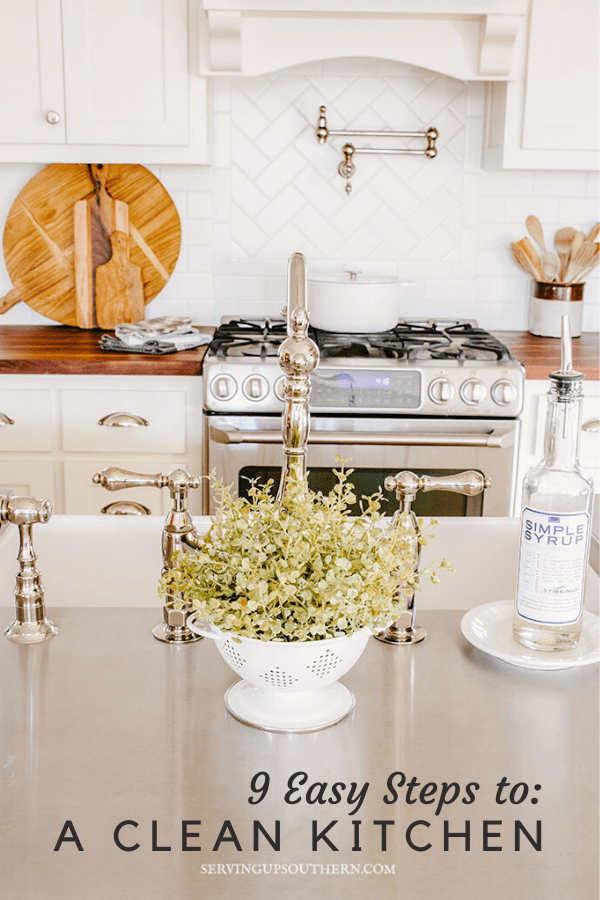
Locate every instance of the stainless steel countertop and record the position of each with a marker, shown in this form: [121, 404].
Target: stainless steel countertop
[104, 724]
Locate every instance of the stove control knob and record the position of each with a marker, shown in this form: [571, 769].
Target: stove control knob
[255, 387]
[441, 390]
[472, 391]
[223, 387]
[503, 392]
[279, 386]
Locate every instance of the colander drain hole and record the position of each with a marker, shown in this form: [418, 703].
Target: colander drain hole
[276, 677]
[235, 659]
[324, 664]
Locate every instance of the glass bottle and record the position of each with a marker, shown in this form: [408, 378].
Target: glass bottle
[555, 522]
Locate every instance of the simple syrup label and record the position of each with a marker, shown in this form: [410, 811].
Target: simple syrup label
[552, 566]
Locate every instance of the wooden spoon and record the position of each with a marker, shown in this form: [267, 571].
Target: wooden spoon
[534, 227]
[563, 241]
[594, 232]
[522, 259]
[533, 257]
[550, 265]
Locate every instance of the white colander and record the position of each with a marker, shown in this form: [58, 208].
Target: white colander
[287, 686]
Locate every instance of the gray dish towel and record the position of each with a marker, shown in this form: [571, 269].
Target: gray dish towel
[150, 348]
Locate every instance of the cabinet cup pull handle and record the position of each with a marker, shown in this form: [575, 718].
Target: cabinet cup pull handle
[123, 420]
[591, 425]
[6, 420]
[125, 508]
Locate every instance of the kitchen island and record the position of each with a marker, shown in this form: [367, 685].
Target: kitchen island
[112, 740]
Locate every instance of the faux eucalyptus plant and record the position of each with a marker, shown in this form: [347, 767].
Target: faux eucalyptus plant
[303, 569]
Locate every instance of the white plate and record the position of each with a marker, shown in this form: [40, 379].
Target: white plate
[489, 628]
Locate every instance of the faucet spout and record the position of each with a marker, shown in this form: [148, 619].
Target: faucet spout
[298, 358]
[296, 296]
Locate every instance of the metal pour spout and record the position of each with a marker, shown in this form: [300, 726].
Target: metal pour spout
[298, 357]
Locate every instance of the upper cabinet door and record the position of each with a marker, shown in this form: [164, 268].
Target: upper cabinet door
[125, 82]
[31, 74]
[562, 88]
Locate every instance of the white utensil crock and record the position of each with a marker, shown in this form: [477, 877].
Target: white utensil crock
[549, 303]
[354, 303]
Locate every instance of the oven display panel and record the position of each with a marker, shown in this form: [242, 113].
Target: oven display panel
[385, 389]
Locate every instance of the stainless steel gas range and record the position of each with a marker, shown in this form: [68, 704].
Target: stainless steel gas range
[435, 396]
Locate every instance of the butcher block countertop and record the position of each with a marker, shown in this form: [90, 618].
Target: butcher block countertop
[540, 356]
[60, 350]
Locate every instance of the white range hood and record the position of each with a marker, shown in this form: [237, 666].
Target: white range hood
[473, 40]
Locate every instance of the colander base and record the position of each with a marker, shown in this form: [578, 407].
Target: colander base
[289, 711]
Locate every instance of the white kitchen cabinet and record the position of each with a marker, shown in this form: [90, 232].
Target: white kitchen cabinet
[57, 442]
[548, 118]
[25, 420]
[99, 80]
[29, 478]
[533, 420]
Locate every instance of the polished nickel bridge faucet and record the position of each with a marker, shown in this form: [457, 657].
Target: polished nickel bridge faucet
[407, 485]
[30, 625]
[179, 533]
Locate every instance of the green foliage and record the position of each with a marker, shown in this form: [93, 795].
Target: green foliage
[298, 570]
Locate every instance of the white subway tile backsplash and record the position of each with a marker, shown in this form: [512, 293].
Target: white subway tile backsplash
[445, 223]
[518, 208]
[199, 205]
[577, 212]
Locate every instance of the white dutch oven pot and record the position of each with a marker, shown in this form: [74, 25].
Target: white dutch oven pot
[351, 302]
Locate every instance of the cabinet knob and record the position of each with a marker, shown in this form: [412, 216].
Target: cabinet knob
[52, 117]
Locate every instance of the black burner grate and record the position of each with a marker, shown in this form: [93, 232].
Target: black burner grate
[409, 340]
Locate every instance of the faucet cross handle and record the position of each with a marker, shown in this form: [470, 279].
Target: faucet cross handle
[30, 624]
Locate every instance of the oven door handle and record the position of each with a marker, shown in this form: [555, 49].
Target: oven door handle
[498, 438]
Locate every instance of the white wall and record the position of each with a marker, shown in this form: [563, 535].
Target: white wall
[445, 223]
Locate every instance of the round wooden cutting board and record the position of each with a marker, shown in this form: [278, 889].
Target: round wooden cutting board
[39, 235]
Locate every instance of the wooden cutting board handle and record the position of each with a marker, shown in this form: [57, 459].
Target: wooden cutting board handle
[119, 287]
[10, 299]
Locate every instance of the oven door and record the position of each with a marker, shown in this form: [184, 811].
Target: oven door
[241, 448]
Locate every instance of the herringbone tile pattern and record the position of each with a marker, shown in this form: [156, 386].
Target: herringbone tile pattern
[286, 193]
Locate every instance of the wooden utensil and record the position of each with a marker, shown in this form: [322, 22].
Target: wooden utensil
[119, 288]
[594, 232]
[534, 227]
[522, 258]
[37, 272]
[593, 258]
[550, 265]
[563, 242]
[533, 257]
[579, 260]
[549, 260]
